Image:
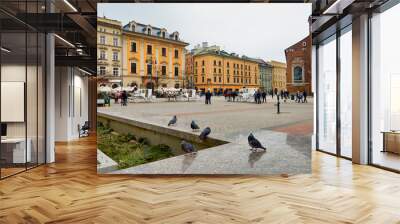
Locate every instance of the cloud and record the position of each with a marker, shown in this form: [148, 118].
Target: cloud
[260, 30]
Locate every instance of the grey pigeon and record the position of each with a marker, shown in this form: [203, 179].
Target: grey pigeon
[194, 126]
[205, 133]
[172, 121]
[254, 143]
[187, 147]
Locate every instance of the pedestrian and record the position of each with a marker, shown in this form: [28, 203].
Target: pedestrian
[116, 97]
[234, 95]
[305, 96]
[124, 98]
[208, 97]
[264, 96]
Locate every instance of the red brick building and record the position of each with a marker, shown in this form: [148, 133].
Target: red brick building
[298, 70]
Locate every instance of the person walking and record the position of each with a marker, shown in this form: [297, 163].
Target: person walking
[305, 96]
[264, 96]
[124, 98]
[208, 97]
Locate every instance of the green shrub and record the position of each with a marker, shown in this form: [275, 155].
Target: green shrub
[128, 153]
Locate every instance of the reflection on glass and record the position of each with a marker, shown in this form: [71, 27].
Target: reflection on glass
[13, 83]
[346, 94]
[385, 88]
[327, 96]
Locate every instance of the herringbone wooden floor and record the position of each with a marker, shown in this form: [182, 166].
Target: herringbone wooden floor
[70, 191]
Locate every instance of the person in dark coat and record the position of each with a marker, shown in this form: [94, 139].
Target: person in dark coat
[208, 97]
[305, 96]
[124, 98]
[264, 96]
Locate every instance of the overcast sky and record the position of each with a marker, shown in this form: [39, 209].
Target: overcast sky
[257, 30]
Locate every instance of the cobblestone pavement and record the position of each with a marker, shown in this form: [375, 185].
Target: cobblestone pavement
[287, 136]
[226, 119]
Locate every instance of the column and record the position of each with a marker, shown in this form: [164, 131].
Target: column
[360, 90]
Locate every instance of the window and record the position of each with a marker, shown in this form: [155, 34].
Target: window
[102, 40]
[327, 95]
[219, 71]
[133, 67]
[102, 55]
[133, 46]
[164, 70]
[115, 55]
[298, 74]
[215, 62]
[227, 72]
[385, 87]
[164, 52]
[215, 70]
[102, 70]
[163, 34]
[149, 69]
[176, 53]
[195, 64]
[148, 31]
[219, 79]
[219, 63]
[115, 41]
[202, 63]
[176, 71]
[202, 71]
[227, 64]
[202, 79]
[149, 49]
[227, 79]
[215, 79]
[115, 71]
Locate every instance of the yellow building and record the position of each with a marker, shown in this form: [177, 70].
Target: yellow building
[152, 57]
[278, 75]
[219, 71]
[109, 51]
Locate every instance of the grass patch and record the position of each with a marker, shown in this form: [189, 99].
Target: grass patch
[128, 151]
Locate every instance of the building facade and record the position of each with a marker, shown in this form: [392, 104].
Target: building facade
[265, 74]
[109, 52]
[278, 75]
[268, 78]
[217, 71]
[153, 57]
[298, 59]
[189, 68]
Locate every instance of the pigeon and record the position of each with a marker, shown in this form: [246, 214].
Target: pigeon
[172, 121]
[194, 126]
[254, 143]
[205, 133]
[187, 147]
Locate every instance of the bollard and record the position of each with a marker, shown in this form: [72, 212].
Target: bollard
[278, 106]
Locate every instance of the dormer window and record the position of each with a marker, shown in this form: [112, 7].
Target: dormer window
[132, 26]
[148, 31]
[163, 34]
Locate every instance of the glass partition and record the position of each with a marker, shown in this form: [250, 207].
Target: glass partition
[346, 93]
[22, 88]
[385, 89]
[327, 95]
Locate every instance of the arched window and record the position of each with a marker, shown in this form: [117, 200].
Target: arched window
[298, 74]
[115, 85]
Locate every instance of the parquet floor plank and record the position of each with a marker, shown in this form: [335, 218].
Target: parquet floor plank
[70, 191]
